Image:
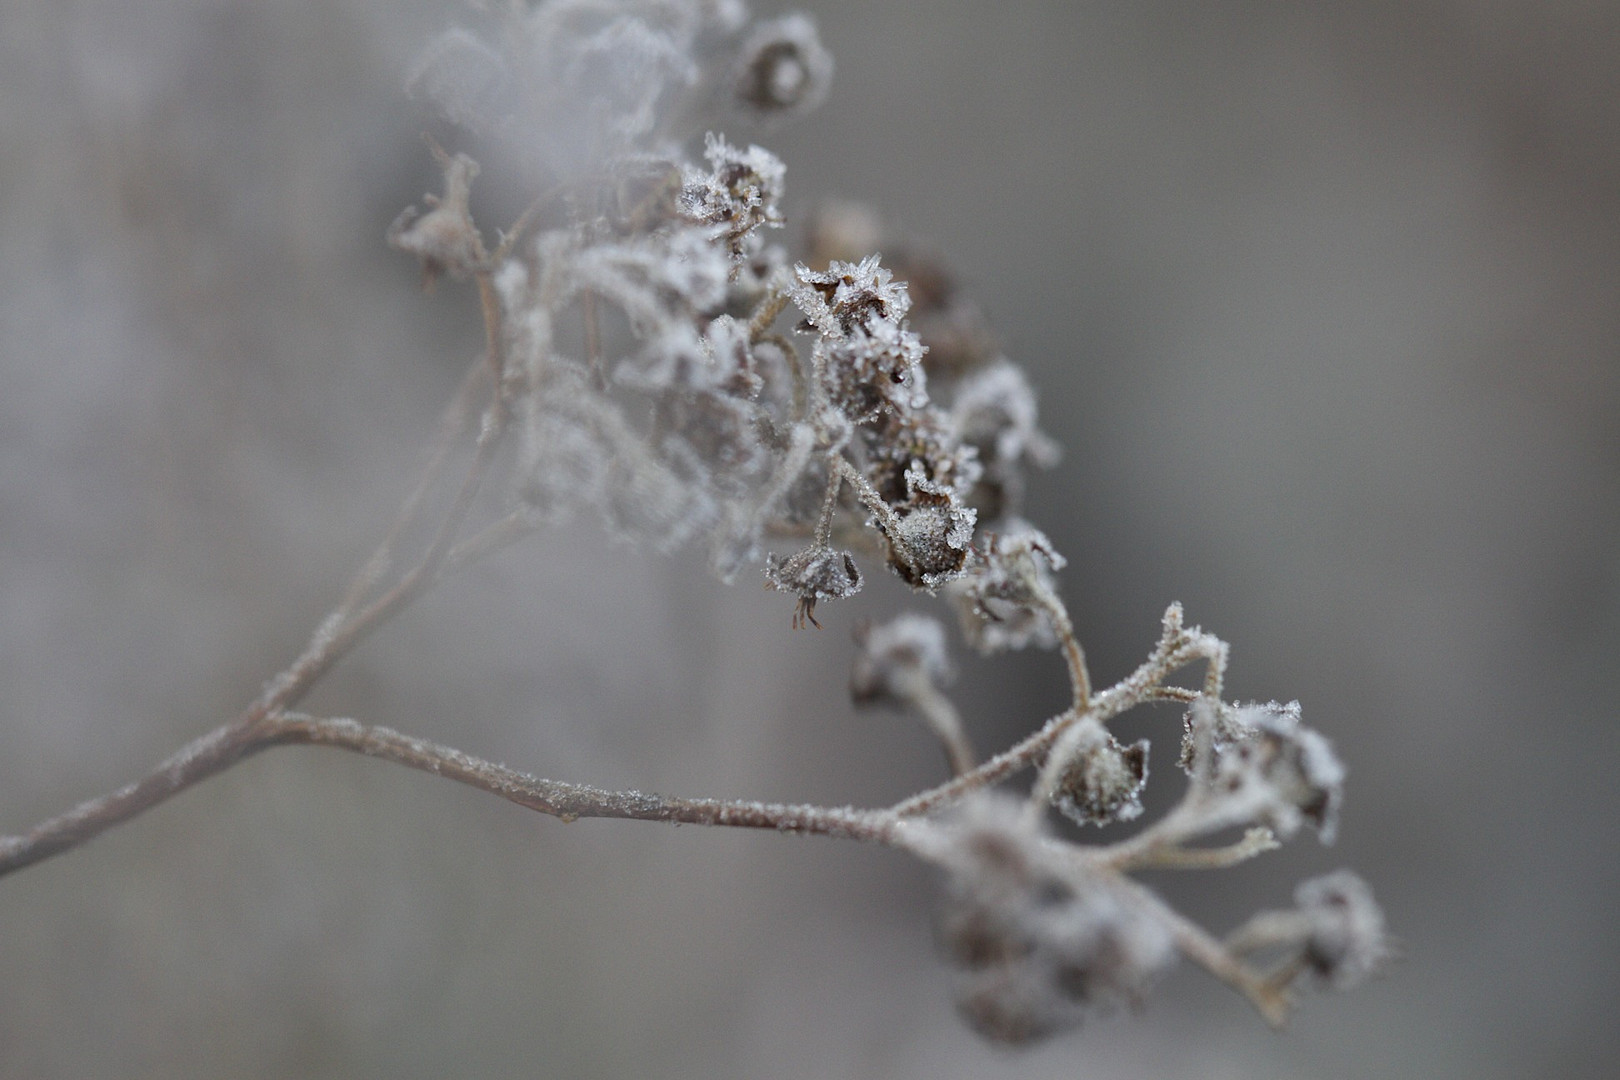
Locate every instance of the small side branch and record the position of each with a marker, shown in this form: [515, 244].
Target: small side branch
[1176, 649]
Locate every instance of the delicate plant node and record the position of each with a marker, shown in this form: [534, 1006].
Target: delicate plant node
[633, 369]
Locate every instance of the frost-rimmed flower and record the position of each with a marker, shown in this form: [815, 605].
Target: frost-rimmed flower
[929, 534]
[817, 573]
[782, 68]
[847, 295]
[1001, 601]
[1103, 779]
[1257, 763]
[895, 656]
[737, 195]
[1040, 942]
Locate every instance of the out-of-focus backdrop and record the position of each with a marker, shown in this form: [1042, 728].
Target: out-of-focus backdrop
[1322, 300]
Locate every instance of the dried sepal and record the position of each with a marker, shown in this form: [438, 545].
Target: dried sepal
[1257, 763]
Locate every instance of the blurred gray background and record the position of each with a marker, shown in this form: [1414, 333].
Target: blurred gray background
[1322, 301]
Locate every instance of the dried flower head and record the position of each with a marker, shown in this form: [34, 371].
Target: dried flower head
[929, 533]
[873, 370]
[1000, 601]
[1345, 943]
[847, 295]
[445, 238]
[1040, 942]
[782, 68]
[1259, 764]
[737, 194]
[814, 574]
[895, 656]
[1103, 779]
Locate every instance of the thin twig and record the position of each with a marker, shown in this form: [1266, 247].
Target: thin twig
[452, 426]
[1162, 855]
[571, 801]
[1196, 944]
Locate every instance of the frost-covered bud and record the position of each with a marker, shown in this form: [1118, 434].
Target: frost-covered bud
[737, 196]
[1040, 943]
[994, 412]
[783, 70]
[875, 370]
[999, 601]
[1346, 942]
[1272, 770]
[931, 534]
[994, 409]
[895, 657]
[464, 79]
[847, 295]
[445, 239]
[814, 574]
[1103, 780]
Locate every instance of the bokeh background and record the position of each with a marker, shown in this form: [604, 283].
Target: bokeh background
[1322, 301]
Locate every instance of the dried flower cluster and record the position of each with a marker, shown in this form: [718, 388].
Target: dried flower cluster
[660, 362]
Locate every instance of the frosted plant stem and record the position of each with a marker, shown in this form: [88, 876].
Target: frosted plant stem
[1073, 654]
[944, 721]
[452, 427]
[1268, 996]
[888, 521]
[572, 801]
[1161, 853]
